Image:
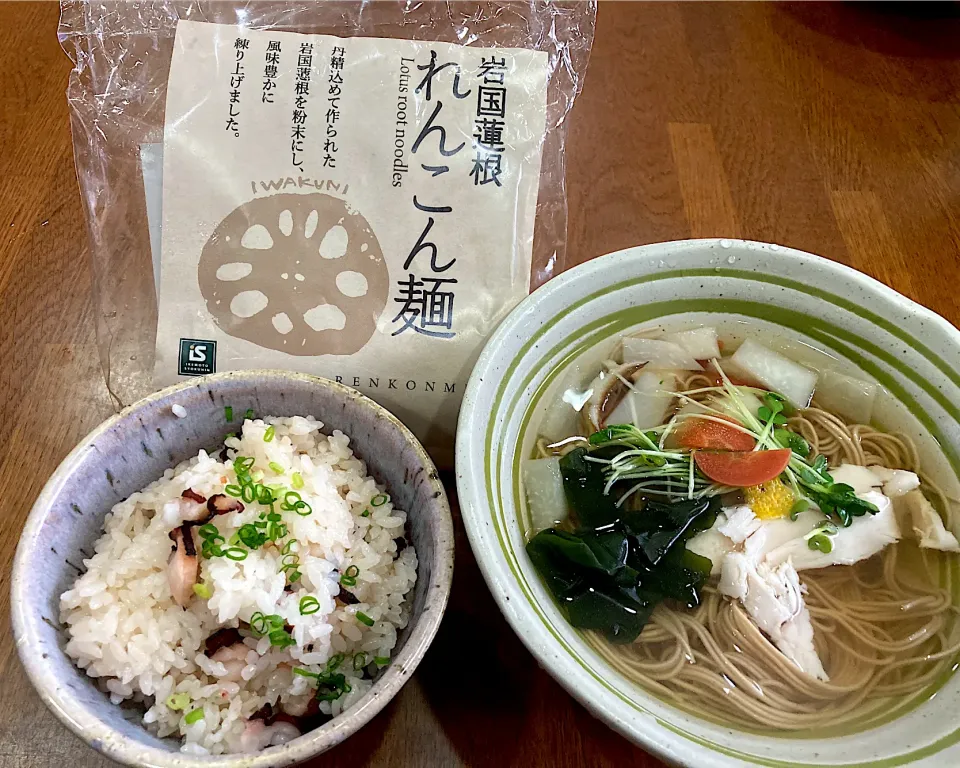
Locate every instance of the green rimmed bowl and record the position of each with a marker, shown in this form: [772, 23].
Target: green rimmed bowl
[805, 299]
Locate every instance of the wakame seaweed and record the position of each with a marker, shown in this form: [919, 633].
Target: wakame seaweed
[583, 482]
[594, 586]
[613, 571]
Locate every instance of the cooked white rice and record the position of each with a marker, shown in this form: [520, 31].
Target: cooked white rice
[125, 629]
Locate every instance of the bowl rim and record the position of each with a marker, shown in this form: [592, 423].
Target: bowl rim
[105, 739]
[471, 484]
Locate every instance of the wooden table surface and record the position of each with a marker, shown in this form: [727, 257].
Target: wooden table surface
[831, 128]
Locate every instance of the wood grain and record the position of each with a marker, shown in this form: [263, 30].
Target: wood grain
[703, 182]
[834, 128]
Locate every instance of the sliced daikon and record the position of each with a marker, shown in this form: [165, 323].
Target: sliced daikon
[699, 343]
[546, 498]
[736, 374]
[645, 404]
[606, 392]
[657, 353]
[561, 419]
[780, 374]
[848, 397]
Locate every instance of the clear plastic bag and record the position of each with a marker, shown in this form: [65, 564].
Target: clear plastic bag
[118, 93]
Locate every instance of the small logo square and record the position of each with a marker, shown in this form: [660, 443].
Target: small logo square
[197, 357]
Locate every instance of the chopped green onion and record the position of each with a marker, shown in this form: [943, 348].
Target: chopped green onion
[332, 687]
[233, 490]
[235, 553]
[291, 562]
[349, 577]
[302, 508]
[364, 619]
[248, 493]
[359, 661]
[305, 672]
[243, 464]
[280, 638]
[202, 591]
[248, 414]
[178, 701]
[296, 480]
[379, 500]
[258, 623]
[208, 531]
[278, 468]
[365, 513]
[826, 528]
[268, 435]
[211, 538]
[261, 625]
[820, 538]
[251, 536]
[264, 495]
[309, 605]
[210, 548]
[194, 716]
[820, 542]
[228, 412]
[288, 505]
[381, 661]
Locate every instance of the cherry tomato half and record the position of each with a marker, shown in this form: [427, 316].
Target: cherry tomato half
[741, 469]
[713, 435]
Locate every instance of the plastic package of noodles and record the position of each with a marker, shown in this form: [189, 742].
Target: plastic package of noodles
[355, 190]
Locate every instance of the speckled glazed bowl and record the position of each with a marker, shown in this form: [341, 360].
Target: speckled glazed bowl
[133, 448]
[912, 352]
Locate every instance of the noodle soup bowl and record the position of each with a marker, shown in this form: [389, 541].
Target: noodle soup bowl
[809, 304]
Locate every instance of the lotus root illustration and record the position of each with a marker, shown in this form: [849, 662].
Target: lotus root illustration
[303, 274]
